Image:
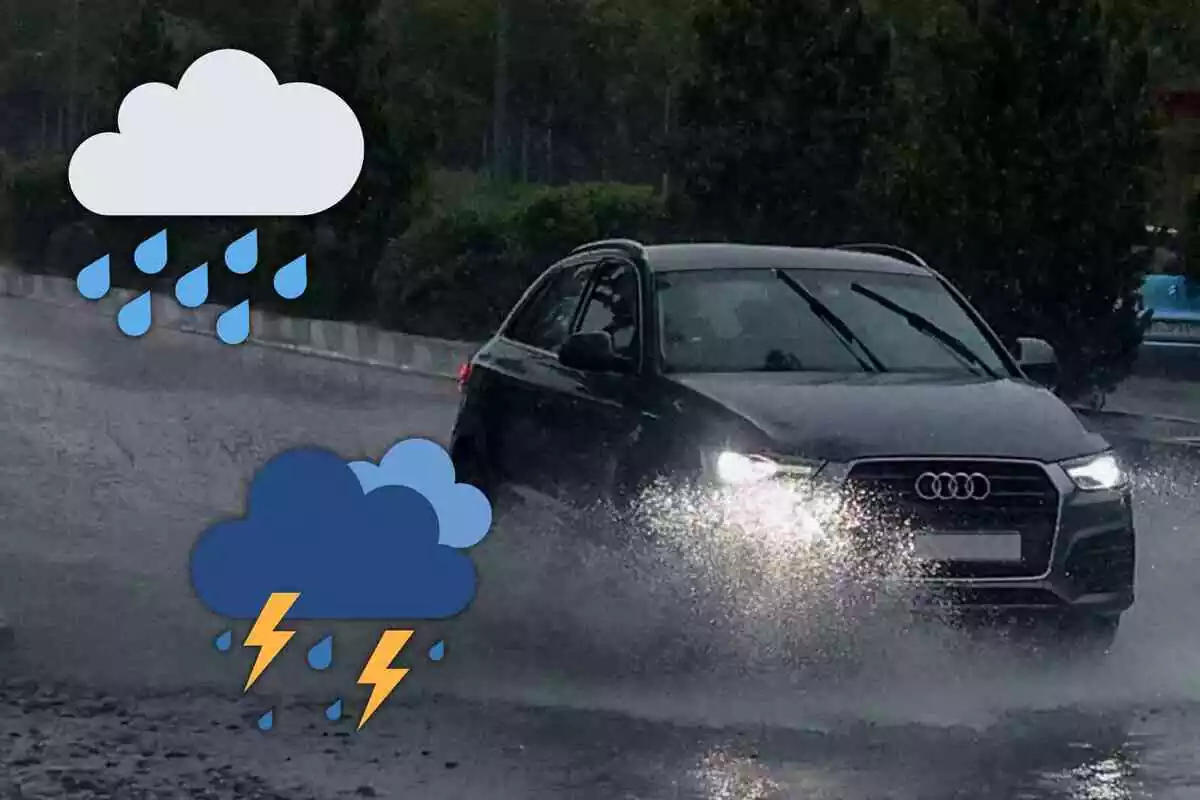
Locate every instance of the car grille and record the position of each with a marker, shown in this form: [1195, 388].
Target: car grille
[888, 510]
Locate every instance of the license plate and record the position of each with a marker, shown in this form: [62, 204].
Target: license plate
[967, 547]
[1175, 330]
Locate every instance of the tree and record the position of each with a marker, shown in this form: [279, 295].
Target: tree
[776, 124]
[251, 26]
[1030, 184]
[645, 52]
[1189, 242]
[143, 53]
[338, 43]
[307, 44]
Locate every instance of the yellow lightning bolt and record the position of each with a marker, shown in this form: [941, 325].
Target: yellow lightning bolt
[265, 636]
[379, 673]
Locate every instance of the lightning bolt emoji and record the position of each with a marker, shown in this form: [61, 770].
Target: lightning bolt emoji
[265, 634]
[379, 673]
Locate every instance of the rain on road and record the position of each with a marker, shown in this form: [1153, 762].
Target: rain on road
[115, 453]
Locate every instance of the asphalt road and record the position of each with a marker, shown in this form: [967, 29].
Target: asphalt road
[578, 673]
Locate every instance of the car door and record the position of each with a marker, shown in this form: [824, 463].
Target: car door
[524, 373]
[594, 418]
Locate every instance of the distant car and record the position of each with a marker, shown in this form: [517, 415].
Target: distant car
[1171, 343]
[860, 367]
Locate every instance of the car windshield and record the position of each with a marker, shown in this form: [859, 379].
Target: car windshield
[747, 320]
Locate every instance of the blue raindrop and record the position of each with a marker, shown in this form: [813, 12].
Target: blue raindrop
[192, 289]
[334, 712]
[224, 641]
[94, 280]
[292, 279]
[134, 317]
[151, 255]
[438, 651]
[233, 326]
[320, 655]
[266, 721]
[242, 255]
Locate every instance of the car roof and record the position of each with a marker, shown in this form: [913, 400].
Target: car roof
[681, 257]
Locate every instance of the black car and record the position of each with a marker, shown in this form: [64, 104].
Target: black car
[859, 366]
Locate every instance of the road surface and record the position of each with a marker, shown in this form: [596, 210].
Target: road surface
[578, 673]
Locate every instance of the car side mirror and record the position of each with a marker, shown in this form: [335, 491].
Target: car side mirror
[1038, 360]
[592, 351]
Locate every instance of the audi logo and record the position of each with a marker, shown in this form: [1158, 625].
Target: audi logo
[952, 486]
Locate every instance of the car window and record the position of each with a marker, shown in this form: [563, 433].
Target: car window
[748, 320]
[546, 322]
[613, 308]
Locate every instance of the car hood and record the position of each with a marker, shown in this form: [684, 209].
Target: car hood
[845, 417]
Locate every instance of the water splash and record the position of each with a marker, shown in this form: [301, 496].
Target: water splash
[224, 641]
[233, 326]
[292, 279]
[242, 255]
[334, 712]
[94, 280]
[192, 289]
[151, 255]
[266, 721]
[320, 655]
[135, 316]
[438, 651]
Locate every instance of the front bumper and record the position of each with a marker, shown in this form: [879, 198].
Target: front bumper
[1091, 569]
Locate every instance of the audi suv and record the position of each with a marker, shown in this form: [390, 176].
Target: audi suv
[858, 369]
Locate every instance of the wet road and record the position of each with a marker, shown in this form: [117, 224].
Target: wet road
[573, 676]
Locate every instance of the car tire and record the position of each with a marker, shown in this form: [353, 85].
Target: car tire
[650, 469]
[1090, 636]
[471, 466]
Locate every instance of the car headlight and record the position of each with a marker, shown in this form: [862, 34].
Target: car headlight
[1096, 473]
[738, 469]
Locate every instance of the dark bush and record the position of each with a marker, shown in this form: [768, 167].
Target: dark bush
[72, 246]
[6, 210]
[40, 204]
[456, 274]
[446, 275]
[550, 221]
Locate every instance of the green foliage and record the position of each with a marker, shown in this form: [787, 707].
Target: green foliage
[143, 53]
[40, 203]
[550, 221]
[6, 208]
[338, 47]
[1190, 239]
[423, 272]
[1029, 184]
[1008, 142]
[777, 121]
[455, 274]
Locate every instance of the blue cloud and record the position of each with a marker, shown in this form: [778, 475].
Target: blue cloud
[464, 513]
[310, 528]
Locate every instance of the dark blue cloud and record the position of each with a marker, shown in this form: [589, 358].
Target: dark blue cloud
[309, 528]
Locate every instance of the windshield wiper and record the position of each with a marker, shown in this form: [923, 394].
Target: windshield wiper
[846, 336]
[920, 323]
